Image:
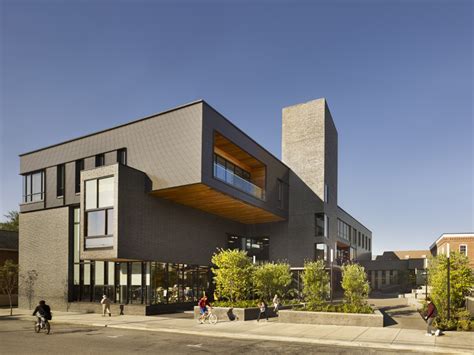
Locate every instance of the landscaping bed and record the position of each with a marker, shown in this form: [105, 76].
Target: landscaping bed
[242, 314]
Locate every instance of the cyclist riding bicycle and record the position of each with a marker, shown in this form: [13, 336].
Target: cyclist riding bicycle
[44, 313]
[203, 303]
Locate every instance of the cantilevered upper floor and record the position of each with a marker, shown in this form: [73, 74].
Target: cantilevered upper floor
[191, 155]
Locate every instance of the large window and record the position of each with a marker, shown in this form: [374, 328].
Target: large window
[232, 174]
[99, 201]
[256, 247]
[79, 168]
[343, 230]
[33, 187]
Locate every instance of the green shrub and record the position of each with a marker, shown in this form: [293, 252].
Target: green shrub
[461, 281]
[355, 285]
[315, 283]
[232, 275]
[270, 279]
[340, 308]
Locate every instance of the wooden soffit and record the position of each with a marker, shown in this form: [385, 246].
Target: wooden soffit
[204, 198]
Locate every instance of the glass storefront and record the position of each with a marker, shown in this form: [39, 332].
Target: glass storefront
[141, 282]
[137, 282]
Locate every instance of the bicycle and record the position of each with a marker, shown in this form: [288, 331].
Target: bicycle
[42, 324]
[208, 316]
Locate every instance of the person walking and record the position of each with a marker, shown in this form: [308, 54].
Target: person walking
[263, 310]
[105, 302]
[276, 304]
[431, 314]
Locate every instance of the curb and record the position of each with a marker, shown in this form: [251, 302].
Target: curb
[341, 343]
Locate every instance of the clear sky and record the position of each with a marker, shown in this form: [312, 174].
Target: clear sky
[397, 75]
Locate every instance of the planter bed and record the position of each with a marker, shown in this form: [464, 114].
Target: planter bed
[244, 314]
[332, 318]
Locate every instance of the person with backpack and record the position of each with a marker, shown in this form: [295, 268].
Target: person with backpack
[43, 313]
[431, 314]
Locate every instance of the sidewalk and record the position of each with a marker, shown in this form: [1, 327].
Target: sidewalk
[348, 336]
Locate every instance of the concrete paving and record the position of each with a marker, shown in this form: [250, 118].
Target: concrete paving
[360, 337]
[398, 313]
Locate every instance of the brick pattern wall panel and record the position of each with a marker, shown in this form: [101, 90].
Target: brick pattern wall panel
[167, 147]
[71, 196]
[44, 247]
[150, 228]
[51, 189]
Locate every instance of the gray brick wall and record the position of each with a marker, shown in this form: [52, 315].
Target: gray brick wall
[44, 247]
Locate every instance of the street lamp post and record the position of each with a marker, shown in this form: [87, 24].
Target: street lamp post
[449, 283]
[425, 264]
[332, 259]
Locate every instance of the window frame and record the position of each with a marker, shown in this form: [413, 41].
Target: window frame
[99, 160]
[122, 156]
[60, 180]
[109, 232]
[79, 166]
[465, 246]
[28, 193]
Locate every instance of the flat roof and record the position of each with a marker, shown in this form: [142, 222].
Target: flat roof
[115, 127]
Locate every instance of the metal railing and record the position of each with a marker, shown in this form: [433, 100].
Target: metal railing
[230, 178]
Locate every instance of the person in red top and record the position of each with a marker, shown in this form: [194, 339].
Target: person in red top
[203, 303]
[431, 314]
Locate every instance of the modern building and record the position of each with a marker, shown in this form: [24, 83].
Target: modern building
[136, 211]
[8, 251]
[396, 271]
[459, 242]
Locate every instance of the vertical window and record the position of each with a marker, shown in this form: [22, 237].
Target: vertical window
[79, 168]
[326, 192]
[281, 202]
[321, 222]
[60, 180]
[463, 249]
[358, 240]
[370, 244]
[320, 251]
[99, 160]
[122, 156]
[33, 187]
[99, 202]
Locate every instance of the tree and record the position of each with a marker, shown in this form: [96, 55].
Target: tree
[315, 283]
[28, 284]
[461, 281]
[270, 279]
[355, 285]
[12, 221]
[233, 274]
[9, 280]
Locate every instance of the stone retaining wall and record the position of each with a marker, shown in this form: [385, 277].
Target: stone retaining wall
[332, 318]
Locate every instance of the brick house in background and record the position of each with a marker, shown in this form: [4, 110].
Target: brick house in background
[459, 242]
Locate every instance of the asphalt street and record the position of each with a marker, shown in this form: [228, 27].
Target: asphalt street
[18, 337]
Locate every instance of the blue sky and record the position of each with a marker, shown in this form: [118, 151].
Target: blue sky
[397, 76]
